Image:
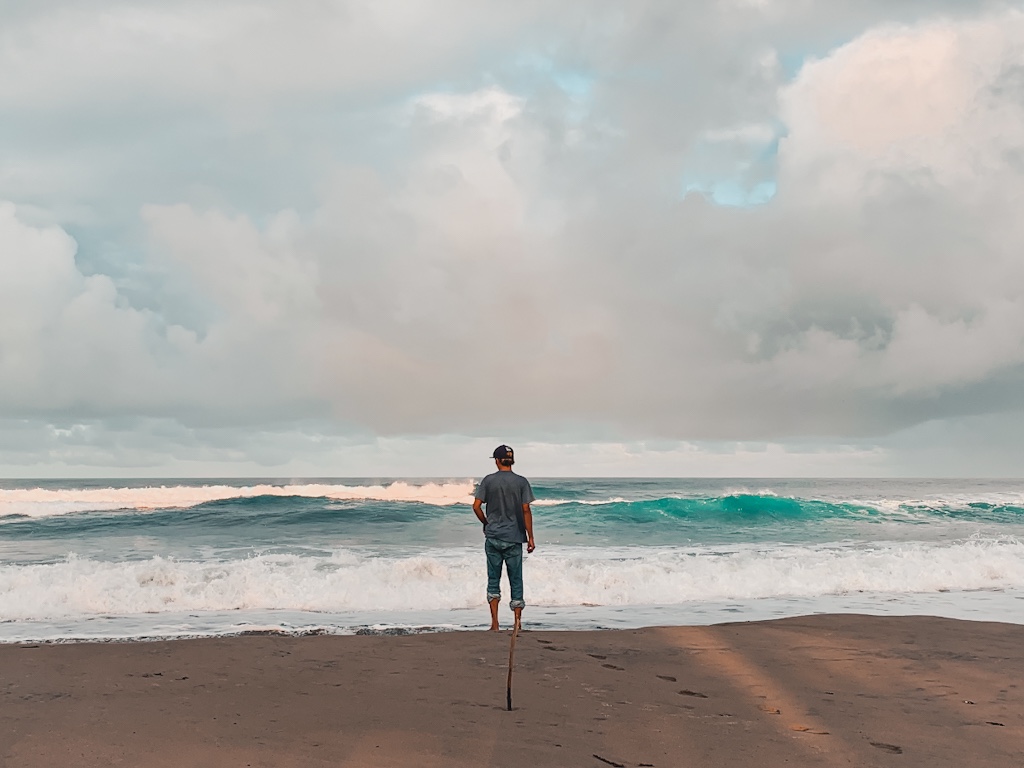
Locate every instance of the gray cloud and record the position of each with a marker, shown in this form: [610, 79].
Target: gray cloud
[315, 213]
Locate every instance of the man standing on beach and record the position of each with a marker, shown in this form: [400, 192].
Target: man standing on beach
[508, 524]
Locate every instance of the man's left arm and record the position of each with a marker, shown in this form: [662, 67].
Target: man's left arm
[528, 515]
[528, 522]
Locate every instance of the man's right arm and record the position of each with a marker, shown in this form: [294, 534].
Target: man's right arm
[479, 499]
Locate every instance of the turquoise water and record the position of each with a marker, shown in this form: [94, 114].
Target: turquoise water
[171, 558]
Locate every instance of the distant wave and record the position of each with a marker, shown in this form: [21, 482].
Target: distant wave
[44, 502]
[350, 580]
[748, 508]
[733, 508]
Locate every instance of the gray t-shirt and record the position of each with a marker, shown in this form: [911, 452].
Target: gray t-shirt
[503, 494]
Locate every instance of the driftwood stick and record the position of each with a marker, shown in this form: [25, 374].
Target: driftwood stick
[511, 653]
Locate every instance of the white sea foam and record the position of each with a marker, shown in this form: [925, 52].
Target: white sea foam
[45, 502]
[943, 501]
[353, 580]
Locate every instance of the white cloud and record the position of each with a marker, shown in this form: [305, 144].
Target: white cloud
[66, 340]
[898, 145]
[926, 99]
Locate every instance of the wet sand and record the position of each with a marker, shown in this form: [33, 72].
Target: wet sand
[816, 691]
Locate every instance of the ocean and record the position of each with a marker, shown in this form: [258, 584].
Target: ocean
[121, 560]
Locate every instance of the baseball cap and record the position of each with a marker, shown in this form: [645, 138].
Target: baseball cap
[503, 452]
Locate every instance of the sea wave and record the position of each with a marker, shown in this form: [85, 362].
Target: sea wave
[46, 502]
[751, 508]
[737, 507]
[354, 580]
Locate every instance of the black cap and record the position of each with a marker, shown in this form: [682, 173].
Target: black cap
[503, 452]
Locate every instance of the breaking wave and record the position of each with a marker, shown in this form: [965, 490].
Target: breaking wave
[351, 580]
[435, 497]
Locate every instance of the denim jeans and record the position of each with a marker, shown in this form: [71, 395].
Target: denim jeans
[511, 554]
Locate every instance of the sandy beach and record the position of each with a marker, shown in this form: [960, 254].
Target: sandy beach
[815, 691]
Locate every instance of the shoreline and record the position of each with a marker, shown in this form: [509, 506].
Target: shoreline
[1004, 606]
[832, 689]
[415, 631]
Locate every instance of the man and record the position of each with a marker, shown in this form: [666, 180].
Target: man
[508, 524]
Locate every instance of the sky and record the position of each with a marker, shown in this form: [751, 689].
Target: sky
[340, 238]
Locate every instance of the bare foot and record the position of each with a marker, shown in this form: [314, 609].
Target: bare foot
[494, 628]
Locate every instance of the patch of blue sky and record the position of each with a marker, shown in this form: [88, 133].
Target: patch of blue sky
[791, 63]
[578, 85]
[734, 167]
[733, 193]
[531, 68]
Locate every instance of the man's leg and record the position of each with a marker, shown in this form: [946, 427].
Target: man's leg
[493, 580]
[514, 563]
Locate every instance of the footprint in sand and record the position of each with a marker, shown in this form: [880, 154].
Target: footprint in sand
[696, 694]
[612, 666]
[546, 642]
[769, 710]
[596, 656]
[669, 678]
[887, 747]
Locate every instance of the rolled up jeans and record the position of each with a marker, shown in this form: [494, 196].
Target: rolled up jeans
[511, 554]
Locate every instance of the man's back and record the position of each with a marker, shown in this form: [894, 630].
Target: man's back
[505, 493]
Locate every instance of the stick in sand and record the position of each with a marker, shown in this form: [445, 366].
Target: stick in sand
[511, 651]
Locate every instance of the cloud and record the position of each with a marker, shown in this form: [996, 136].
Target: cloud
[195, 51]
[901, 144]
[270, 214]
[304, 450]
[67, 343]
